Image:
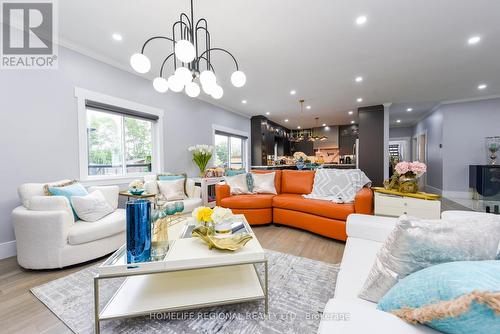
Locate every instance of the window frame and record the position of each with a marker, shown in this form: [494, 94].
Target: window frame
[236, 133]
[157, 136]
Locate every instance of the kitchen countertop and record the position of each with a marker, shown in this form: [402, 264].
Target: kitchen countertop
[346, 166]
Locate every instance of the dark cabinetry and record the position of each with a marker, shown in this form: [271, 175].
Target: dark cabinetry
[303, 146]
[265, 136]
[347, 138]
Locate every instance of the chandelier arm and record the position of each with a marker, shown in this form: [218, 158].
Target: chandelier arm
[153, 38]
[207, 41]
[209, 66]
[164, 62]
[220, 49]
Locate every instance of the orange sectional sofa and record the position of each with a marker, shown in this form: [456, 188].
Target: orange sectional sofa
[288, 207]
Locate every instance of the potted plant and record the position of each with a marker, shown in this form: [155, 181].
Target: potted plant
[201, 156]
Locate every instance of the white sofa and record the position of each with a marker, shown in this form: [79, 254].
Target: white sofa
[47, 235]
[365, 237]
[193, 192]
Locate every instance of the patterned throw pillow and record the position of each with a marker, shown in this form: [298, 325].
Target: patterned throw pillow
[415, 244]
[456, 297]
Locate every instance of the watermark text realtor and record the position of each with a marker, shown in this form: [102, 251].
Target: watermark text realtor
[29, 32]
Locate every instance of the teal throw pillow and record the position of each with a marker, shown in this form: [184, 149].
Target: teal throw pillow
[250, 182]
[74, 189]
[456, 297]
[233, 172]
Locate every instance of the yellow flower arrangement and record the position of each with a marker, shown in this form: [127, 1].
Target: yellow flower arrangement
[204, 214]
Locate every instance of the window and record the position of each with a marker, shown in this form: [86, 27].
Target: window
[118, 138]
[113, 139]
[229, 150]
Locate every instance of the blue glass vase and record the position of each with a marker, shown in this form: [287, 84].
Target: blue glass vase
[138, 231]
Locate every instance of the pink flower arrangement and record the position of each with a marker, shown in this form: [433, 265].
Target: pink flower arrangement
[407, 168]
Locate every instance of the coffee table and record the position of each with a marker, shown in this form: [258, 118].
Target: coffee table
[190, 276]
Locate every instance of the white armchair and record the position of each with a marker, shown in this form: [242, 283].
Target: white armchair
[48, 237]
[193, 192]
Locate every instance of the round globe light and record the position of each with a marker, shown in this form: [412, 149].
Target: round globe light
[207, 88]
[185, 51]
[160, 85]
[192, 89]
[184, 75]
[175, 84]
[238, 78]
[207, 78]
[217, 92]
[140, 63]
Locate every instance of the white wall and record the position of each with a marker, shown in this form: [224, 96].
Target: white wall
[38, 114]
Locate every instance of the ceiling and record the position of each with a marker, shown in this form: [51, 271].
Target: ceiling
[410, 53]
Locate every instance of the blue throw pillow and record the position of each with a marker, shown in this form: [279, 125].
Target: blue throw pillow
[454, 297]
[74, 189]
[170, 177]
[233, 172]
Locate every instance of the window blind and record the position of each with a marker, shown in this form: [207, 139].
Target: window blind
[120, 110]
[222, 133]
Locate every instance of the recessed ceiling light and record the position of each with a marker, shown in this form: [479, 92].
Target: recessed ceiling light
[292, 92]
[359, 79]
[352, 122]
[324, 124]
[268, 113]
[244, 101]
[350, 112]
[327, 128]
[286, 120]
[398, 121]
[409, 109]
[482, 86]
[360, 20]
[359, 99]
[308, 107]
[117, 37]
[298, 127]
[474, 40]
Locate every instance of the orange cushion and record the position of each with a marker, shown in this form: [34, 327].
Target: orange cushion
[259, 201]
[297, 182]
[277, 177]
[314, 206]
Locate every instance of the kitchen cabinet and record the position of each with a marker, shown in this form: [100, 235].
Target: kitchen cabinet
[265, 135]
[347, 138]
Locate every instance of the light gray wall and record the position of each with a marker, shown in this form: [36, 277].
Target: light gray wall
[432, 125]
[401, 132]
[38, 114]
[461, 128]
[465, 127]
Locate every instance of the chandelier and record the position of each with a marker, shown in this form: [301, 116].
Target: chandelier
[305, 134]
[191, 59]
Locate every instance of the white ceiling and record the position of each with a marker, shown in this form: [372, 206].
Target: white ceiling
[411, 53]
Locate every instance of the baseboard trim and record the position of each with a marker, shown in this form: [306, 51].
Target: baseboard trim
[8, 249]
[433, 190]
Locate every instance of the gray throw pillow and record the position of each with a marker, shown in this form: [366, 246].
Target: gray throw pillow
[415, 244]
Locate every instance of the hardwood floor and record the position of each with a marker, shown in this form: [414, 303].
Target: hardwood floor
[21, 312]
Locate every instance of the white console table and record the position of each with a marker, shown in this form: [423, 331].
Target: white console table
[208, 189]
[395, 205]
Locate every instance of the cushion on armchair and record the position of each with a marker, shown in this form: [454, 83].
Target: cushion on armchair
[68, 190]
[27, 191]
[91, 207]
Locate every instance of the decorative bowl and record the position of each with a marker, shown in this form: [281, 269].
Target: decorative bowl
[137, 192]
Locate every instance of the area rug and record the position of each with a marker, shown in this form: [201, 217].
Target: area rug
[298, 291]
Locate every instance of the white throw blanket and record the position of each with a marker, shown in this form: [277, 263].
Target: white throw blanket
[338, 185]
